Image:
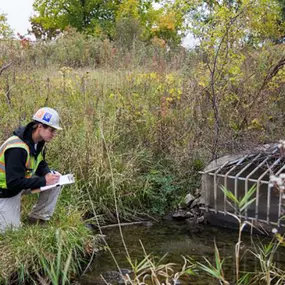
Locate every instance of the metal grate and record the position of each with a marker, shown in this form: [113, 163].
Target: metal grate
[238, 176]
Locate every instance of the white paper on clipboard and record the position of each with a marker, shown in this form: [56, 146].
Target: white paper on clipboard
[63, 180]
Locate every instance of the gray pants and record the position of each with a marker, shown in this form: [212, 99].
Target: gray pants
[10, 208]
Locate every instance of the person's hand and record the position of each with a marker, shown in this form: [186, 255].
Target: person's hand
[52, 178]
[55, 172]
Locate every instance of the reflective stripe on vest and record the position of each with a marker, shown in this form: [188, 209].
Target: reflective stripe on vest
[31, 163]
[13, 141]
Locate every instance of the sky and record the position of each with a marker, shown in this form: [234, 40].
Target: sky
[19, 11]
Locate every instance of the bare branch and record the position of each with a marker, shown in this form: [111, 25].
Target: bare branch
[271, 73]
[4, 67]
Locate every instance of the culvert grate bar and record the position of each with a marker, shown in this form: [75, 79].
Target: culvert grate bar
[258, 186]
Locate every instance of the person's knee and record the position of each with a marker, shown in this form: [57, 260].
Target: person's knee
[58, 188]
[54, 192]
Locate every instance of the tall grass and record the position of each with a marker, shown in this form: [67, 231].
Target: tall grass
[53, 269]
[59, 251]
[54, 253]
[154, 114]
[133, 128]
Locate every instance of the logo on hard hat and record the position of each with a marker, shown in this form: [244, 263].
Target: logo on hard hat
[39, 114]
[47, 116]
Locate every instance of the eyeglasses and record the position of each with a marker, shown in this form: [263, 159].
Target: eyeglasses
[52, 130]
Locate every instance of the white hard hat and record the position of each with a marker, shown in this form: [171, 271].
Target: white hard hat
[47, 116]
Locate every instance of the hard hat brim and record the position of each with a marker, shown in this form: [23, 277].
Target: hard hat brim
[57, 128]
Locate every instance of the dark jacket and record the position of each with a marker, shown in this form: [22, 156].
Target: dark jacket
[15, 165]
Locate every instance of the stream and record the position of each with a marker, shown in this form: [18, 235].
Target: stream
[174, 239]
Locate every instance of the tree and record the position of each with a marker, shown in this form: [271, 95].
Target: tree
[229, 32]
[5, 30]
[162, 23]
[91, 16]
[282, 5]
[95, 17]
[107, 18]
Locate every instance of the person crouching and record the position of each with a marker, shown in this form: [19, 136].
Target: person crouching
[23, 168]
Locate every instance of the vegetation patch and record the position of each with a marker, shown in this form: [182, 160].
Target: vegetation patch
[54, 252]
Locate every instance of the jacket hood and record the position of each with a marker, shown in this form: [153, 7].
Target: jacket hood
[25, 134]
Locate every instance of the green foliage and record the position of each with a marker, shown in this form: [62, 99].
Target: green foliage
[5, 30]
[216, 270]
[55, 252]
[169, 25]
[229, 33]
[282, 5]
[242, 204]
[153, 270]
[92, 16]
[106, 19]
[53, 270]
[265, 255]
[160, 192]
[127, 32]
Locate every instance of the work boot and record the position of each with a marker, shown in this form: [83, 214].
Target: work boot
[34, 221]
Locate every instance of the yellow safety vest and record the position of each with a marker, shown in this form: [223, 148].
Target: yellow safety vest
[31, 163]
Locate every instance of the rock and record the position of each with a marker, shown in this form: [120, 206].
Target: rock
[112, 276]
[126, 271]
[181, 214]
[188, 199]
[115, 277]
[192, 222]
[202, 201]
[197, 192]
[193, 226]
[200, 219]
[195, 203]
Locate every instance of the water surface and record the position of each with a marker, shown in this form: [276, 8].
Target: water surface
[176, 240]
